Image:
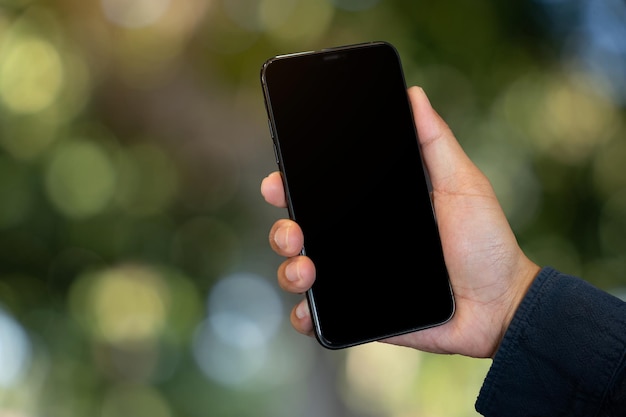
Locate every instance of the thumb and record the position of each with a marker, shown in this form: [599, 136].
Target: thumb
[443, 156]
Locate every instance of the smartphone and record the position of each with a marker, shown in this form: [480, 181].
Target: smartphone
[346, 145]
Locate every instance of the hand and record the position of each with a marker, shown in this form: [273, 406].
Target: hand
[488, 271]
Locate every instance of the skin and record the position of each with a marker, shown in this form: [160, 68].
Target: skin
[488, 271]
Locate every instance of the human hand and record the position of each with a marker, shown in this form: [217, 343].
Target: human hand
[488, 271]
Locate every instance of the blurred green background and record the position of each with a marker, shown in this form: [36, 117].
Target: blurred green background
[135, 275]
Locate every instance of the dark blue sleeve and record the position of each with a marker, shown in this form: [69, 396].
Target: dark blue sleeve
[563, 354]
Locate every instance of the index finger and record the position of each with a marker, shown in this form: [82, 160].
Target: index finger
[273, 191]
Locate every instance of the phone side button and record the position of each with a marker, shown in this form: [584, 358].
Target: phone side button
[275, 153]
[269, 124]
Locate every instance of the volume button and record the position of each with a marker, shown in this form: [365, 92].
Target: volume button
[275, 152]
[269, 124]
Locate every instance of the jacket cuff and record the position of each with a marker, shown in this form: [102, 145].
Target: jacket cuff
[560, 354]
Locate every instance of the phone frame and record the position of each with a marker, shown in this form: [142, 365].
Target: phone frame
[444, 291]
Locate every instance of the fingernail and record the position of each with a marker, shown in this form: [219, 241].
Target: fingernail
[291, 272]
[302, 310]
[281, 237]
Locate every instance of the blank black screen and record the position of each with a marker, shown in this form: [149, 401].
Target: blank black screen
[351, 164]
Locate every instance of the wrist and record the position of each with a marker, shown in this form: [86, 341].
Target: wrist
[521, 282]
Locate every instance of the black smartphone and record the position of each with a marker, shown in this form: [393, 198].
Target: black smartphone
[347, 148]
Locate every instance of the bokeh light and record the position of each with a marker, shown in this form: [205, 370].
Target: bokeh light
[387, 380]
[244, 310]
[81, 178]
[124, 305]
[244, 343]
[604, 47]
[15, 351]
[135, 14]
[561, 116]
[44, 83]
[244, 314]
[228, 365]
[31, 75]
[148, 37]
[383, 386]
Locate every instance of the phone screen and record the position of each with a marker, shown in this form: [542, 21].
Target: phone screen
[347, 148]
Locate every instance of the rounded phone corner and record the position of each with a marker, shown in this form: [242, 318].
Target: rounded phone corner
[325, 343]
